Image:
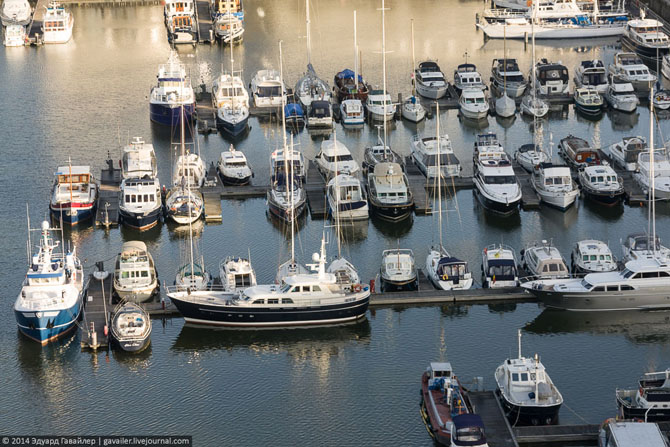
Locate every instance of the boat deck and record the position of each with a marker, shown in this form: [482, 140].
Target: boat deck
[107, 207]
[205, 112]
[96, 313]
[203, 17]
[498, 430]
[35, 28]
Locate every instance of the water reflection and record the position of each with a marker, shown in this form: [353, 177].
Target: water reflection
[501, 308]
[133, 361]
[453, 311]
[178, 232]
[393, 229]
[506, 123]
[283, 227]
[622, 121]
[152, 235]
[553, 217]
[468, 123]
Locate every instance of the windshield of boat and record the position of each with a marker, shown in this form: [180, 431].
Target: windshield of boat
[344, 157]
[503, 270]
[269, 91]
[477, 100]
[514, 78]
[431, 160]
[469, 434]
[558, 180]
[499, 179]
[453, 270]
[229, 91]
[594, 79]
[587, 285]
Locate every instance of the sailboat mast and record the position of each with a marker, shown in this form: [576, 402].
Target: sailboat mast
[188, 189]
[292, 206]
[413, 61]
[309, 37]
[438, 165]
[232, 73]
[283, 97]
[383, 68]
[355, 55]
[337, 199]
[534, 103]
[652, 177]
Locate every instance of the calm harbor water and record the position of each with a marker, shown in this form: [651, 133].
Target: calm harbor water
[348, 385]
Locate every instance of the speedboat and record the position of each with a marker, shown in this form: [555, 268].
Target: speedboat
[640, 246]
[602, 184]
[57, 24]
[621, 95]
[379, 105]
[591, 256]
[661, 170]
[74, 195]
[335, 158]
[229, 28]
[588, 101]
[320, 115]
[447, 272]
[233, 167]
[591, 73]
[172, 92]
[299, 300]
[646, 37]
[267, 89]
[643, 284]
[650, 401]
[135, 277]
[543, 261]
[15, 36]
[473, 104]
[379, 153]
[412, 110]
[180, 21]
[140, 204]
[577, 152]
[231, 101]
[443, 400]
[614, 433]
[466, 76]
[389, 193]
[131, 327]
[425, 156]
[499, 267]
[661, 99]
[51, 297]
[138, 159]
[552, 79]
[351, 112]
[429, 80]
[530, 156]
[398, 271]
[554, 185]
[347, 87]
[495, 182]
[506, 77]
[15, 12]
[533, 106]
[630, 68]
[346, 198]
[526, 392]
[624, 153]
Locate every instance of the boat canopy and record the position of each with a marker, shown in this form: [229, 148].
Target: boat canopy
[348, 74]
[468, 430]
[293, 110]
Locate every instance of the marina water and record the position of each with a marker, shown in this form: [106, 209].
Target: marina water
[348, 385]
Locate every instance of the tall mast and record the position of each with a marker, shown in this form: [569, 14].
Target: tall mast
[337, 199]
[438, 166]
[383, 69]
[283, 97]
[188, 189]
[355, 55]
[309, 37]
[534, 103]
[232, 78]
[413, 61]
[292, 206]
[652, 177]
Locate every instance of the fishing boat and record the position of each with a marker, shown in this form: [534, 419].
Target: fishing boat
[650, 401]
[267, 89]
[135, 276]
[379, 106]
[15, 12]
[425, 155]
[495, 181]
[233, 167]
[620, 95]
[15, 36]
[646, 37]
[398, 271]
[660, 172]
[140, 204]
[335, 158]
[591, 73]
[180, 22]
[138, 159]
[526, 392]
[351, 112]
[74, 194]
[231, 101]
[506, 77]
[57, 24]
[601, 184]
[429, 80]
[499, 267]
[577, 152]
[346, 198]
[591, 256]
[530, 156]
[554, 185]
[51, 297]
[171, 93]
[299, 300]
[630, 68]
[614, 433]
[131, 327]
[389, 193]
[624, 153]
[543, 261]
[229, 28]
[443, 401]
[473, 104]
[588, 101]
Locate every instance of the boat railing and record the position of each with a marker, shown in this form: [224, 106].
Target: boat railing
[212, 287]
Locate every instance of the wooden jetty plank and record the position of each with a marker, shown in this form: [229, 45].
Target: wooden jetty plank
[204, 111]
[35, 28]
[315, 189]
[498, 431]
[203, 16]
[96, 313]
[529, 198]
[635, 195]
[107, 206]
[556, 433]
[417, 184]
[212, 207]
[428, 295]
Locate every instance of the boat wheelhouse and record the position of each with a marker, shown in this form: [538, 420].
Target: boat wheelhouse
[552, 78]
[335, 158]
[389, 193]
[621, 95]
[57, 24]
[499, 267]
[466, 76]
[280, 158]
[650, 402]
[615, 433]
[138, 159]
[140, 204]
[320, 115]
[351, 112]
[267, 89]
[577, 152]
[346, 198]
[180, 21]
[223, 7]
[233, 167]
[602, 184]
[398, 271]
[172, 93]
[429, 81]
[591, 73]
[425, 155]
[189, 169]
[236, 274]
[624, 153]
[506, 77]
[229, 90]
[591, 256]
[135, 277]
[588, 101]
[229, 28]
[630, 68]
[74, 195]
[543, 261]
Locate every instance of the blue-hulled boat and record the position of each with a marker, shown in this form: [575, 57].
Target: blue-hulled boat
[74, 195]
[171, 93]
[295, 116]
[51, 295]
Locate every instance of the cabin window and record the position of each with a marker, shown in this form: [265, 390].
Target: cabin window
[585, 258]
[145, 274]
[515, 377]
[127, 198]
[259, 302]
[146, 197]
[286, 301]
[125, 275]
[524, 377]
[650, 274]
[316, 289]
[599, 289]
[553, 267]
[626, 287]
[612, 288]
[273, 300]
[627, 273]
[133, 198]
[663, 274]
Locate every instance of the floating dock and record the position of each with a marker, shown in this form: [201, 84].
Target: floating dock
[498, 430]
[107, 207]
[205, 112]
[417, 184]
[635, 195]
[203, 17]
[315, 189]
[427, 294]
[529, 198]
[35, 28]
[211, 194]
[96, 313]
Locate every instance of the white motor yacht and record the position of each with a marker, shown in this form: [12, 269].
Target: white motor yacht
[447, 272]
[499, 267]
[335, 158]
[140, 203]
[379, 105]
[135, 277]
[602, 184]
[506, 77]
[624, 153]
[138, 159]
[495, 182]
[229, 28]
[555, 186]
[15, 12]
[267, 89]
[630, 68]
[591, 256]
[233, 167]
[466, 76]
[398, 271]
[57, 24]
[351, 112]
[236, 274]
[172, 98]
[346, 198]
[661, 170]
[620, 95]
[543, 261]
[646, 37]
[638, 246]
[15, 36]
[320, 115]
[591, 73]
[425, 156]
[530, 156]
[552, 79]
[473, 104]
[389, 193]
[588, 101]
[429, 80]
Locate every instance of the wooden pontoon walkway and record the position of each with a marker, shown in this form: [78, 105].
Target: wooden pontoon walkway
[315, 189]
[203, 16]
[498, 430]
[529, 198]
[204, 111]
[35, 28]
[107, 207]
[429, 295]
[96, 313]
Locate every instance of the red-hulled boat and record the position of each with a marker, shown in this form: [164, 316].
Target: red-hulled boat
[442, 399]
[346, 86]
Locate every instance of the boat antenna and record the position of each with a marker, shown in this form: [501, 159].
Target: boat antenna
[519, 338]
[309, 38]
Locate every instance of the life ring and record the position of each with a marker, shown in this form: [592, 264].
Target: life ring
[357, 288]
[445, 277]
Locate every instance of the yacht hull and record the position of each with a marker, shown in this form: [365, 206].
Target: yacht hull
[44, 327]
[233, 128]
[644, 51]
[628, 412]
[591, 110]
[397, 285]
[431, 92]
[284, 213]
[73, 215]
[504, 208]
[232, 315]
[528, 415]
[169, 114]
[646, 299]
[349, 210]
[142, 222]
[234, 181]
[609, 198]
[393, 213]
[132, 344]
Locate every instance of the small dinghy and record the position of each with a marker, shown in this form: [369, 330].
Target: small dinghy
[131, 327]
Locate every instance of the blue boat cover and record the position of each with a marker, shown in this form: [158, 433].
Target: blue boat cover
[471, 428]
[468, 420]
[348, 74]
[293, 110]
